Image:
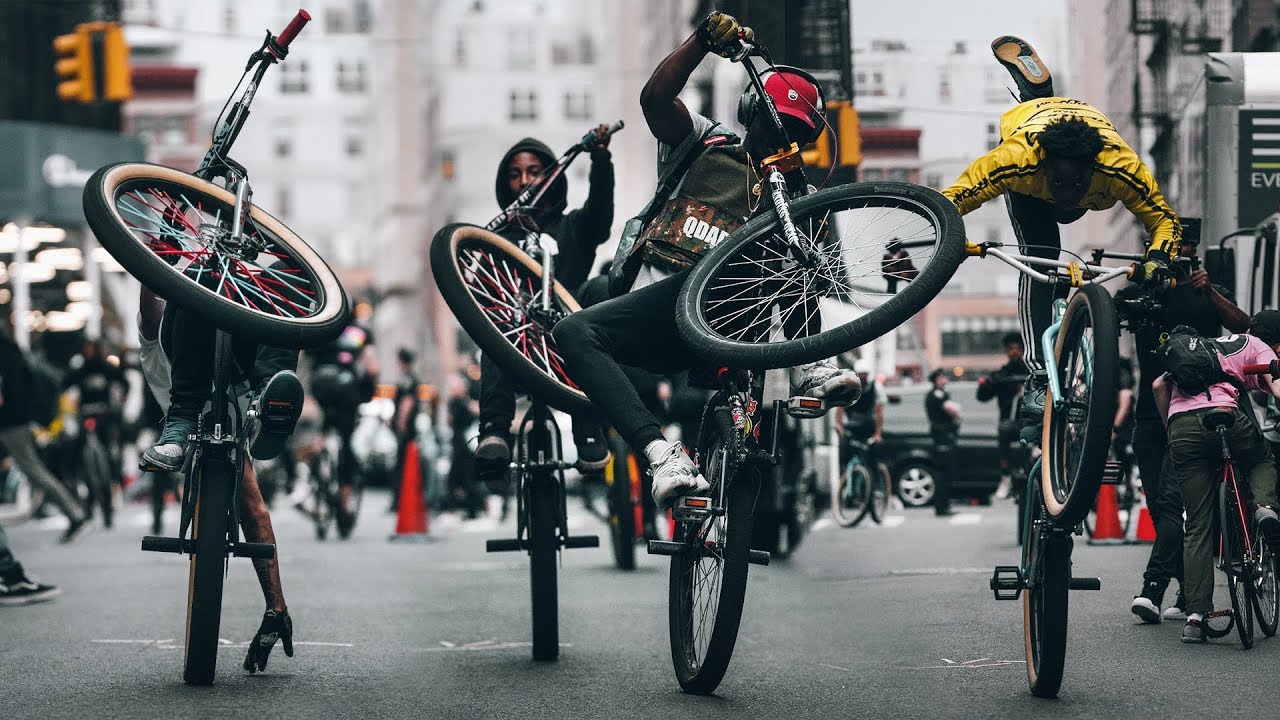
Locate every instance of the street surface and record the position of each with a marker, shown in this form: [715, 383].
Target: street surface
[870, 622]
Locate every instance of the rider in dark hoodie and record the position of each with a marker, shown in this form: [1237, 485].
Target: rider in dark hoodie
[578, 233]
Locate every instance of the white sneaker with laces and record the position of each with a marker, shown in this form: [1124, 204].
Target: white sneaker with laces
[674, 473]
[825, 381]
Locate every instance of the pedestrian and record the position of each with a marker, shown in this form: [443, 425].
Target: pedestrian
[16, 586]
[944, 428]
[1004, 385]
[1207, 308]
[406, 414]
[15, 436]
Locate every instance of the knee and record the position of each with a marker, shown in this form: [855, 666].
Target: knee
[573, 334]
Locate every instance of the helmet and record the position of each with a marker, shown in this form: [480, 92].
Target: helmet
[794, 92]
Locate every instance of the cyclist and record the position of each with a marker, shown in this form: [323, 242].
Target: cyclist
[1004, 385]
[863, 421]
[639, 326]
[344, 374]
[1058, 158]
[944, 429]
[159, 351]
[101, 387]
[577, 233]
[1194, 454]
[1207, 308]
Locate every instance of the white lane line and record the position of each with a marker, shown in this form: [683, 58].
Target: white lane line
[894, 520]
[170, 643]
[823, 523]
[965, 519]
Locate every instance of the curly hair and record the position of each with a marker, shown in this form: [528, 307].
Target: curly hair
[1070, 138]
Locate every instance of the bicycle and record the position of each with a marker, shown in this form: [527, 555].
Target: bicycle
[862, 489]
[95, 468]
[207, 248]
[625, 479]
[326, 468]
[812, 261]
[786, 505]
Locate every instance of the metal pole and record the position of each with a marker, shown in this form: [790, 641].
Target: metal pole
[92, 273]
[21, 289]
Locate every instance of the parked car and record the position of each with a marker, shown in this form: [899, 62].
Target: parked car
[908, 448]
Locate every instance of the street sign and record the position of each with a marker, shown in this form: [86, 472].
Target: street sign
[1259, 167]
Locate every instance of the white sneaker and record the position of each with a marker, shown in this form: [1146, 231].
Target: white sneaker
[1004, 488]
[674, 473]
[825, 381]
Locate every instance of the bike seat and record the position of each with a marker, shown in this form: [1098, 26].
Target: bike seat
[1219, 418]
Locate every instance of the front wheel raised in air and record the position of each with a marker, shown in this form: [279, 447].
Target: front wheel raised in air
[1077, 428]
[1044, 611]
[865, 258]
[708, 581]
[173, 232]
[204, 595]
[495, 290]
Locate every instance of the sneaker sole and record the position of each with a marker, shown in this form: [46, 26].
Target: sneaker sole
[1146, 614]
[1193, 640]
[1019, 57]
[280, 405]
[593, 466]
[156, 463]
[32, 598]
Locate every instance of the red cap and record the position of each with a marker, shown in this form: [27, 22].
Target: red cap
[793, 95]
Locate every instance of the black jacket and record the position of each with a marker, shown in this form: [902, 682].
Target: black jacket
[578, 232]
[15, 379]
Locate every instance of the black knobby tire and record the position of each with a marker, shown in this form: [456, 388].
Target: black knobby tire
[544, 545]
[622, 509]
[1044, 613]
[700, 668]
[97, 471]
[464, 259]
[1238, 569]
[204, 596]
[324, 471]
[1076, 440]
[146, 216]
[881, 491]
[701, 326]
[850, 496]
[1267, 598]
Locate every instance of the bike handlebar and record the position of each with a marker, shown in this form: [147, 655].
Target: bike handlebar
[293, 28]
[588, 140]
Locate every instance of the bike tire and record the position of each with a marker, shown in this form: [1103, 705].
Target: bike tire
[850, 495]
[1238, 569]
[463, 258]
[1044, 614]
[204, 595]
[700, 670]
[702, 328]
[881, 491]
[306, 305]
[1267, 598]
[1070, 477]
[620, 475]
[324, 473]
[544, 546]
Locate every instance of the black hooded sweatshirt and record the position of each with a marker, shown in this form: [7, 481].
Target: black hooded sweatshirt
[578, 232]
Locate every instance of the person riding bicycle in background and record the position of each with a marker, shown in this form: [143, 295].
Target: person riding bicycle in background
[158, 339]
[101, 387]
[1004, 385]
[639, 327]
[577, 233]
[1194, 300]
[344, 374]
[1195, 454]
[863, 421]
[1059, 158]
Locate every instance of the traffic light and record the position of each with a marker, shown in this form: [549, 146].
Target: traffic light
[843, 120]
[93, 63]
[75, 65]
[818, 155]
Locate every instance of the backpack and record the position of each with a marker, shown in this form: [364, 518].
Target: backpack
[44, 391]
[1191, 361]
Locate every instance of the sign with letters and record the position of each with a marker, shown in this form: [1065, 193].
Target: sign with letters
[1259, 166]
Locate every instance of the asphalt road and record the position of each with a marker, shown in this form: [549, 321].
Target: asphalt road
[871, 622]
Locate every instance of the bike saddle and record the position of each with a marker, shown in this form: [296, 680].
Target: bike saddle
[1218, 419]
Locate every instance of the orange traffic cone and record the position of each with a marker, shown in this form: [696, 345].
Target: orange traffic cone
[1146, 529]
[1106, 526]
[411, 521]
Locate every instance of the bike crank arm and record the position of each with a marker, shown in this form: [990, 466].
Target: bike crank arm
[187, 546]
[667, 547]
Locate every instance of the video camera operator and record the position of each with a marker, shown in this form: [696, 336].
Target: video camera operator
[1005, 384]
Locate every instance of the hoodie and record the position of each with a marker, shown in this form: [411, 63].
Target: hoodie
[578, 232]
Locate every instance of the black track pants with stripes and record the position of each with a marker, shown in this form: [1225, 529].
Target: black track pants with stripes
[1035, 223]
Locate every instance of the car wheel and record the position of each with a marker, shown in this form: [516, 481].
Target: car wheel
[915, 484]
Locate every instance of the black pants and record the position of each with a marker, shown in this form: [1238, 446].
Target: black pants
[1035, 223]
[1164, 500]
[944, 454]
[190, 342]
[640, 328]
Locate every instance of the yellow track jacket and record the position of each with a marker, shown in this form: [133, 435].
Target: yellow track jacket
[1119, 175]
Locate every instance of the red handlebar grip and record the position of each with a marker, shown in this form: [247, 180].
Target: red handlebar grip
[1268, 368]
[293, 28]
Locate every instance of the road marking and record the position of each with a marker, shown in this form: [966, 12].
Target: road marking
[894, 520]
[942, 571]
[171, 643]
[972, 664]
[480, 645]
[966, 519]
[823, 523]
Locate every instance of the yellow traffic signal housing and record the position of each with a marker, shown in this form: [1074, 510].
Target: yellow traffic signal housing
[850, 134]
[75, 65]
[819, 153]
[116, 83]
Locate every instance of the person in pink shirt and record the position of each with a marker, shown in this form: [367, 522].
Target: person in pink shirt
[1195, 454]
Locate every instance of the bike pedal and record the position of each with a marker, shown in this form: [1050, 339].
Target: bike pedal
[694, 508]
[1085, 583]
[257, 551]
[758, 557]
[582, 541]
[153, 543]
[1007, 582]
[665, 547]
[504, 545]
[802, 407]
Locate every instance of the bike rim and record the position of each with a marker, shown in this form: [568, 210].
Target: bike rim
[1268, 600]
[190, 230]
[843, 273]
[705, 571]
[508, 293]
[1069, 424]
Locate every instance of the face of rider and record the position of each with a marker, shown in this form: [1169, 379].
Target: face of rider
[1068, 179]
[523, 170]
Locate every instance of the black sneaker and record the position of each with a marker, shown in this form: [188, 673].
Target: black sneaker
[20, 589]
[1146, 604]
[273, 414]
[170, 450]
[76, 530]
[1029, 72]
[275, 626]
[493, 460]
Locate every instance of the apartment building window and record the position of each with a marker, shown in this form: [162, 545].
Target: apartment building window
[934, 180]
[869, 174]
[523, 105]
[336, 21]
[293, 77]
[520, 48]
[229, 17]
[993, 135]
[283, 130]
[460, 50]
[144, 128]
[352, 76]
[944, 87]
[173, 130]
[363, 17]
[354, 137]
[899, 174]
[284, 202]
[577, 105]
[586, 49]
